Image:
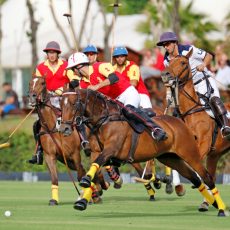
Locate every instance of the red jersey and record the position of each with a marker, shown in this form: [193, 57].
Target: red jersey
[54, 80]
[100, 72]
[131, 72]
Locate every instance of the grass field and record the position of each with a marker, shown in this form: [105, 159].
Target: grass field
[127, 208]
[9, 123]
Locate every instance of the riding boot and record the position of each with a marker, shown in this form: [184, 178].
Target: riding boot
[157, 132]
[220, 114]
[38, 157]
[84, 142]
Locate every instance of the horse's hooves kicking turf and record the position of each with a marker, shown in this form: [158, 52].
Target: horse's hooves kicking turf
[53, 202]
[203, 207]
[80, 204]
[152, 198]
[118, 184]
[97, 200]
[169, 188]
[180, 190]
[85, 182]
[221, 213]
[157, 184]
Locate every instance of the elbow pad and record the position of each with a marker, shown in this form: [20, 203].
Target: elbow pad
[73, 84]
[113, 78]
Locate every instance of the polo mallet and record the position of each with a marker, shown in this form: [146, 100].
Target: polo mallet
[115, 6]
[68, 16]
[7, 143]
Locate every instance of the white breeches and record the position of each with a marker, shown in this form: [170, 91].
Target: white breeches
[176, 177]
[145, 101]
[130, 97]
[202, 88]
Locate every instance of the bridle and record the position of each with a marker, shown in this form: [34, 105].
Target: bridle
[42, 100]
[176, 83]
[80, 109]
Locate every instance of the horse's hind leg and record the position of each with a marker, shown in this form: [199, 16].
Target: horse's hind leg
[186, 171]
[147, 176]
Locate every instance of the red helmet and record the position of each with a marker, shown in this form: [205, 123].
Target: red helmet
[52, 46]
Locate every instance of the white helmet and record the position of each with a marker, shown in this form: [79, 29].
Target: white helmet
[76, 59]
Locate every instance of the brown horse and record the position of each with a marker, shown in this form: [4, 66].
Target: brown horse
[55, 146]
[116, 135]
[207, 136]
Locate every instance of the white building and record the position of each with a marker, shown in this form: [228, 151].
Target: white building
[16, 48]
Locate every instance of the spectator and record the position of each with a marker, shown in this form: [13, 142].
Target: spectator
[11, 99]
[223, 73]
[147, 68]
[159, 63]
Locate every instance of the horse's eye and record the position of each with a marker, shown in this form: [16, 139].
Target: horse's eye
[183, 63]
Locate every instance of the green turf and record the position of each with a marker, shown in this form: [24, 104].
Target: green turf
[127, 208]
[10, 122]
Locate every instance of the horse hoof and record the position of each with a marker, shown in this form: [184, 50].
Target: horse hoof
[152, 198]
[166, 180]
[221, 213]
[203, 207]
[53, 202]
[97, 200]
[117, 184]
[180, 190]
[157, 184]
[80, 205]
[169, 188]
[85, 182]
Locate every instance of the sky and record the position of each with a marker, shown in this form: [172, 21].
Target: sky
[216, 9]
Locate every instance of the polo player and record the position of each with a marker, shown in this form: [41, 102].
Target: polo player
[131, 71]
[101, 77]
[56, 76]
[203, 82]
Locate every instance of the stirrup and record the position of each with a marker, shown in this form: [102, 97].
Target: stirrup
[227, 128]
[161, 136]
[84, 143]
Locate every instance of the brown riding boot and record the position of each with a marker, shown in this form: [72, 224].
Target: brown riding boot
[220, 114]
[225, 130]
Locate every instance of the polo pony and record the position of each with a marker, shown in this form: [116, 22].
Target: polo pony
[179, 151]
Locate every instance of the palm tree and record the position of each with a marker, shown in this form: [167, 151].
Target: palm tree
[181, 19]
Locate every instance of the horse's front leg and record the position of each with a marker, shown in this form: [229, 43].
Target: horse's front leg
[87, 181]
[95, 166]
[51, 165]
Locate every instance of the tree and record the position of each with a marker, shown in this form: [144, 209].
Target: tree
[32, 33]
[171, 15]
[76, 39]
[1, 34]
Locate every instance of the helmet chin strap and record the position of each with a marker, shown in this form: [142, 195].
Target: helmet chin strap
[83, 73]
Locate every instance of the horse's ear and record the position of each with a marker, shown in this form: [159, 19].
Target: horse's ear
[188, 55]
[33, 75]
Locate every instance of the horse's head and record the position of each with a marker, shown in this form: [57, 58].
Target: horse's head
[80, 106]
[37, 90]
[72, 105]
[178, 70]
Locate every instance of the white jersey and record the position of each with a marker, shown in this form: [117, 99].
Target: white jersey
[195, 59]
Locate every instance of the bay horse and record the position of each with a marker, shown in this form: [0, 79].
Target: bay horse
[55, 145]
[178, 77]
[179, 151]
